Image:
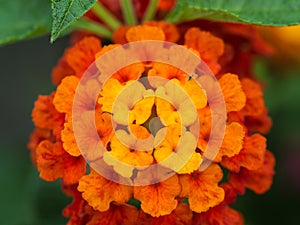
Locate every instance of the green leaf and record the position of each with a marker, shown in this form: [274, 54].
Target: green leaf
[65, 12]
[21, 19]
[263, 12]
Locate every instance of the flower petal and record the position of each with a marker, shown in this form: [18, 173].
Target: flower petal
[144, 32]
[259, 180]
[82, 54]
[232, 142]
[158, 199]
[201, 188]
[170, 30]
[53, 162]
[209, 46]
[116, 215]
[100, 192]
[251, 156]
[219, 215]
[234, 96]
[182, 215]
[63, 99]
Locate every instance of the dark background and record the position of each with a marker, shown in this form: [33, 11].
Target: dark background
[27, 200]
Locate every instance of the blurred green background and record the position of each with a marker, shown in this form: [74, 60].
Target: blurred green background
[27, 200]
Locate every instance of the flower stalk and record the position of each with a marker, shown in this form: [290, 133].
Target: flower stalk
[128, 12]
[106, 16]
[90, 26]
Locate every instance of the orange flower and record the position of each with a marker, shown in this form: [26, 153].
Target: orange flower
[251, 156]
[144, 32]
[173, 151]
[76, 59]
[37, 136]
[201, 188]
[170, 31]
[182, 215]
[166, 31]
[219, 215]
[53, 162]
[100, 192]
[117, 214]
[130, 154]
[233, 137]
[159, 199]
[63, 99]
[119, 35]
[209, 46]
[45, 116]
[76, 211]
[259, 180]
[104, 130]
[234, 96]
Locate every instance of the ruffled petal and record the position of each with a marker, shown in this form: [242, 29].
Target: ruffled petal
[251, 156]
[82, 54]
[201, 188]
[171, 32]
[45, 116]
[116, 215]
[63, 99]
[259, 180]
[232, 142]
[182, 215]
[219, 215]
[100, 192]
[234, 96]
[144, 32]
[209, 46]
[158, 199]
[53, 162]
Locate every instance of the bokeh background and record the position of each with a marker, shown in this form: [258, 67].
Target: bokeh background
[27, 200]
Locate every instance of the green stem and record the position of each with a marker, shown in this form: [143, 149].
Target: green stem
[128, 12]
[151, 9]
[91, 26]
[106, 16]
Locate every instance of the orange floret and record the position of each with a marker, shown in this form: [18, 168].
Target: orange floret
[182, 215]
[232, 142]
[259, 180]
[234, 96]
[144, 32]
[219, 215]
[116, 215]
[36, 137]
[171, 32]
[102, 127]
[53, 162]
[255, 103]
[82, 54]
[158, 199]
[250, 157]
[45, 116]
[201, 188]
[209, 46]
[63, 99]
[76, 59]
[119, 35]
[100, 192]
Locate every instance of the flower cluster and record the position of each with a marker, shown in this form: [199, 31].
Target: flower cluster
[158, 112]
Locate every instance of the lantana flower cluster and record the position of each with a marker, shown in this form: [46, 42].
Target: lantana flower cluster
[189, 196]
